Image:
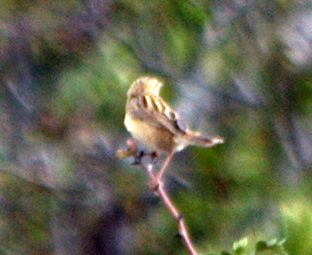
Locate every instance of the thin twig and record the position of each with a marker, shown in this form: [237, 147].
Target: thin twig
[157, 178]
[179, 219]
[159, 189]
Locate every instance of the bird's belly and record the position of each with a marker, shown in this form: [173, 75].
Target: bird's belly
[150, 136]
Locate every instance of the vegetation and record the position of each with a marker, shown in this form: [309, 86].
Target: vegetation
[238, 69]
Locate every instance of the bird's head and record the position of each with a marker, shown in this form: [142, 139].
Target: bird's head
[145, 86]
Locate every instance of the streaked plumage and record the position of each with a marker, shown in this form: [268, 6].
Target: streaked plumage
[152, 122]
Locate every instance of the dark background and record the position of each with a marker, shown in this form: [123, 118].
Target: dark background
[238, 69]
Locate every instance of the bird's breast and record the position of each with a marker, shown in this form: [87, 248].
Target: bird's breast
[150, 136]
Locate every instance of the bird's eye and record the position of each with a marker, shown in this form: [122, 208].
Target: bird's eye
[172, 115]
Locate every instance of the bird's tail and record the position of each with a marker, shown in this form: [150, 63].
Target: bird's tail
[195, 138]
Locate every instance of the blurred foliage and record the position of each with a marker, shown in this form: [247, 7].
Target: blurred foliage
[239, 69]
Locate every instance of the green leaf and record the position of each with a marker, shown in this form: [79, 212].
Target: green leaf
[273, 246]
[225, 253]
[240, 246]
[261, 245]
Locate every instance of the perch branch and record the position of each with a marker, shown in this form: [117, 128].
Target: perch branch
[132, 150]
[157, 179]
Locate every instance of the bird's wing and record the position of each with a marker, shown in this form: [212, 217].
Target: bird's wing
[156, 112]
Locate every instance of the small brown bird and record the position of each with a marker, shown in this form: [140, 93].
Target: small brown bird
[153, 123]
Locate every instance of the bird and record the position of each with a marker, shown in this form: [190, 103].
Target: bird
[158, 127]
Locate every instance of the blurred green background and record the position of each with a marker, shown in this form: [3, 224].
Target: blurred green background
[238, 69]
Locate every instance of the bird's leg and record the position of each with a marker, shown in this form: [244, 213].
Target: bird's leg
[157, 178]
[138, 157]
[154, 156]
